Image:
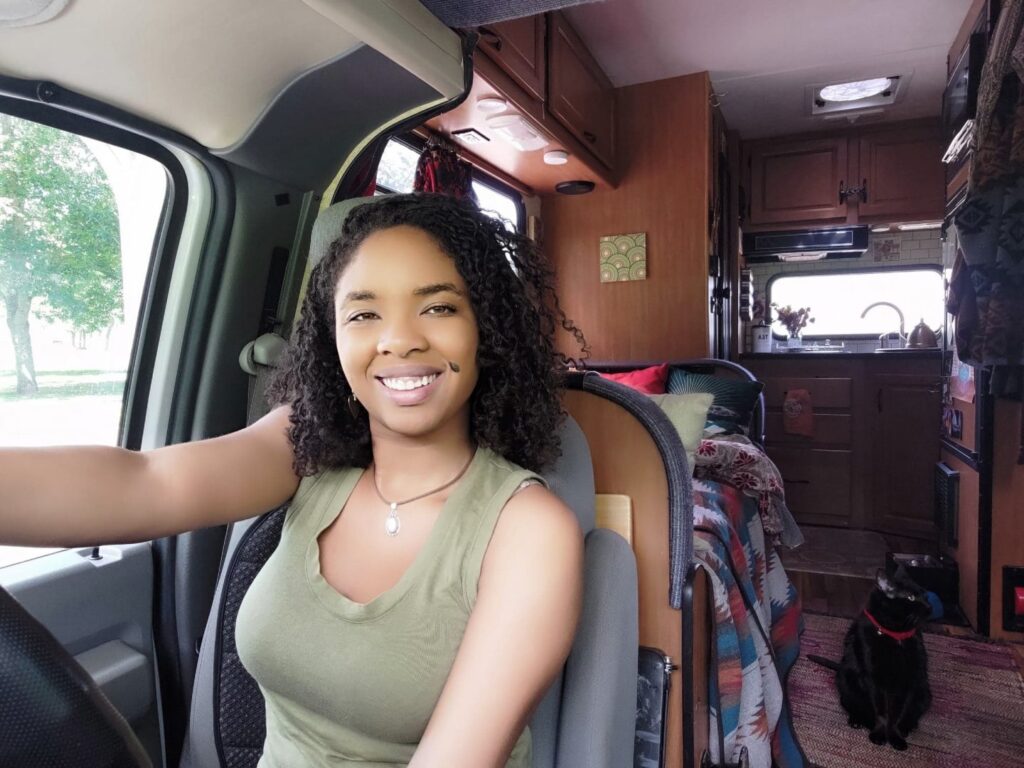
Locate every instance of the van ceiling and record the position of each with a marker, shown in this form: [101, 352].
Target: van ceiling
[210, 70]
[761, 55]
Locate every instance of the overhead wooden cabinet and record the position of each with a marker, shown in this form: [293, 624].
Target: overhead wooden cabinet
[798, 181]
[901, 175]
[580, 96]
[876, 175]
[517, 46]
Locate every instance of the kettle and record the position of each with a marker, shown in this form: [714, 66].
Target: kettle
[922, 337]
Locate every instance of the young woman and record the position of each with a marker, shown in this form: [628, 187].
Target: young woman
[427, 585]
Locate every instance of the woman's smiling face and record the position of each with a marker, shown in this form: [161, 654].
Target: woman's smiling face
[402, 314]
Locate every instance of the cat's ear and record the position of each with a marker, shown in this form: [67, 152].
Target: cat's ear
[885, 583]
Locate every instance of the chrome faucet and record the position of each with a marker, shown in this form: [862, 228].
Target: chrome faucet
[886, 304]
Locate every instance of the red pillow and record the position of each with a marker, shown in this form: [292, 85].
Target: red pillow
[650, 381]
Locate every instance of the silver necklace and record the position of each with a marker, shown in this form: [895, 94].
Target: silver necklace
[392, 525]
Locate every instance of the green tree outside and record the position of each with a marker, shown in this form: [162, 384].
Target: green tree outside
[59, 238]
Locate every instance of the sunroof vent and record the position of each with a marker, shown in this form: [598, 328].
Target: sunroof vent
[869, 94]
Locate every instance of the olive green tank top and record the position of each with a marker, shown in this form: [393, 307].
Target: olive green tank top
[353, 684]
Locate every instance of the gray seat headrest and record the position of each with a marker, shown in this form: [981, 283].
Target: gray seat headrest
[328, 225]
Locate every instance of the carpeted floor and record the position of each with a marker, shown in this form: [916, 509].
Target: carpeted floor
[976, 718]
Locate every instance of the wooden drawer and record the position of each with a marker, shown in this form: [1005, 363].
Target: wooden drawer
[829, 429]
[825, 393]
[817, 483]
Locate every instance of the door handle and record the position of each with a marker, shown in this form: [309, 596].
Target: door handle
[842, 192]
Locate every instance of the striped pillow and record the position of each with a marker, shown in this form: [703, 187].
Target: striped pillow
[734, 401]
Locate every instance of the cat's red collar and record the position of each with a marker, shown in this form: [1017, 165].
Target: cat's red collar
[898, 636]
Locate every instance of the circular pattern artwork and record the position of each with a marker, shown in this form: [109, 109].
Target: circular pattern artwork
[623, 257]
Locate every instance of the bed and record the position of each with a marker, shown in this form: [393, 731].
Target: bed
[731, 620]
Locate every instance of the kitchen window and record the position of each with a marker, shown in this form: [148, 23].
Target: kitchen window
[838, 299]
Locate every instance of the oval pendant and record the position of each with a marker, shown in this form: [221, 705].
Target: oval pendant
[392, 524]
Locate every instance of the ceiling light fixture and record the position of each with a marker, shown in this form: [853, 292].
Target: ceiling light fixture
[491, 105]
[24, 13]
[517, 132]
[556, 157]
[856, 89]
[919, 226]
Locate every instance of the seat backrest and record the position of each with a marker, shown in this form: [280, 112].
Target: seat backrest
[587, 717]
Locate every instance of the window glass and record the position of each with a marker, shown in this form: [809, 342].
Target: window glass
[397, 169]
[397, 173]
[837, 300]
[77, 223]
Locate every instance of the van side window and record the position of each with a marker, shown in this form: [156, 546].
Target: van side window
[77, 224]
[397, 173]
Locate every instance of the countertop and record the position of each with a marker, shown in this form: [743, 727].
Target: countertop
[899, 353]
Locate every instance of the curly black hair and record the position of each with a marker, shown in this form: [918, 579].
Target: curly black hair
[515, 408]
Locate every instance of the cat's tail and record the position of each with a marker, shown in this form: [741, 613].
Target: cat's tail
[833, 665]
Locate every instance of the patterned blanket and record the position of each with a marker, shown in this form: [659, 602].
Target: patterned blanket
[734, 459]
[757, 628]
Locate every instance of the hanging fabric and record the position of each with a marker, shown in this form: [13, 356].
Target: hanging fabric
[987, 286]
[439, 169]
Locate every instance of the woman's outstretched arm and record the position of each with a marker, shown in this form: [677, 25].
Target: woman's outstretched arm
[81, 496]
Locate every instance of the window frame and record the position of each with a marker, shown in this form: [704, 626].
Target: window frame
[141, 360]
[417, 144]
[936, 268]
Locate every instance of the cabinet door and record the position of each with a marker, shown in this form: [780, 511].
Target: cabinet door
[798, 181]
[517, 46]
[902, 174]
[581, 96]
[905, 446]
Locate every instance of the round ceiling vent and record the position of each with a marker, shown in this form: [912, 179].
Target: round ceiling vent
[24, 13]
[575, 187]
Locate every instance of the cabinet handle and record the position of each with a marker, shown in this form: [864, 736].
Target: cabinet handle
[589, 137]
[842, 192]
[864, 191]
[490, 37]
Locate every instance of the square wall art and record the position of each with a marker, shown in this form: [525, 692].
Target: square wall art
[624, 257]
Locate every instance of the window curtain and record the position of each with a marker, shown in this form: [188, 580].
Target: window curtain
[439, 169]
[987, 286]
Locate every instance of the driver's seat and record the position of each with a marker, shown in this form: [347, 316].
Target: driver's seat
[587, 717]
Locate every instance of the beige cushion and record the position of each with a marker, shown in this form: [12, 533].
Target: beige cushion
[687, 413]
[614, 511]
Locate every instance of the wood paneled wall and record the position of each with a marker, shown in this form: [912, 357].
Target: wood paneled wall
[1007, 508]
[663, 147]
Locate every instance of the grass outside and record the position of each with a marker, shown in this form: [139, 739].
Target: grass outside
[71, 408]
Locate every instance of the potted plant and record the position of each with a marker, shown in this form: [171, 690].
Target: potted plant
[794, 320]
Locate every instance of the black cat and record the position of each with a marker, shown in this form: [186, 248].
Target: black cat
[883, 675]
